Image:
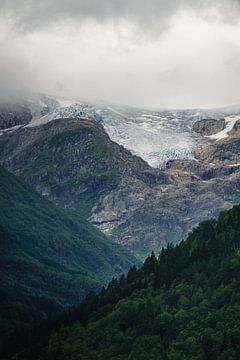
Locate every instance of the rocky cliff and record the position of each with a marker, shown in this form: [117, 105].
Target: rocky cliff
[207, 127]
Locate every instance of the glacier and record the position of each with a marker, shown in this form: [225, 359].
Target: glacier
[157, 136]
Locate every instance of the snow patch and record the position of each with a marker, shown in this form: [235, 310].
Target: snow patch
[11, 129]
[230, 122]
[233, 165]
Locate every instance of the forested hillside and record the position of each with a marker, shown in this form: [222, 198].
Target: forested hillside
[185, 304]
[50, 257]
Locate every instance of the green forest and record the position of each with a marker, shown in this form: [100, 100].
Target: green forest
[181, 305]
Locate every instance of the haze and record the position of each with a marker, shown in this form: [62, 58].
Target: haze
[144, 53]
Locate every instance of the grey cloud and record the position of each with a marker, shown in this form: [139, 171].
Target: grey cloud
[195, 63]
[146, 15]
[16, 73]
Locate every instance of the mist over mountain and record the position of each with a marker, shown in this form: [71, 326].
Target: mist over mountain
[175, 54]
[119, 179]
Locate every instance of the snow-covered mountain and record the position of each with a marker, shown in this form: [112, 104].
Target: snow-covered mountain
[60, 148]
[156, 136]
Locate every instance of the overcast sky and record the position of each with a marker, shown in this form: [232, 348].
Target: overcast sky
[148, 53]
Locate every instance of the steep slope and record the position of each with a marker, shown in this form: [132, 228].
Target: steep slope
[72, 159]
[183, 305]
[14, 115]
[155, 136]
[49, 257]
[198, 189]
[76, 165]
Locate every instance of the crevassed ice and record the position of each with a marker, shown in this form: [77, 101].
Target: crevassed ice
[156, 136]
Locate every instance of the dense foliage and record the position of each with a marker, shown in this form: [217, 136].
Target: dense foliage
[183, 305]
[49, 257]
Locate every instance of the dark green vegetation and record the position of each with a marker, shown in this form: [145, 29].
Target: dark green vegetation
[185, 305]
[13, 116]
[50, 257]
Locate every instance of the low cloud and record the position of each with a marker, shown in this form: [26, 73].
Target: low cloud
[176, 53]
[146, 15]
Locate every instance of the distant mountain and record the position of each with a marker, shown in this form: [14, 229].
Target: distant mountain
[182, 305]
[50, 257]
[156, 136]
[65, 152]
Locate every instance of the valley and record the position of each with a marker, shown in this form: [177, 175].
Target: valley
[183, 304]
[119, 180]
[81, 201]
[50, 257]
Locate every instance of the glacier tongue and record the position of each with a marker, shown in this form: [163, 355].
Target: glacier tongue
[156, 136]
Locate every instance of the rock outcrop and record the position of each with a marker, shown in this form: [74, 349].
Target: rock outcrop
[207, 127]
[235, 132]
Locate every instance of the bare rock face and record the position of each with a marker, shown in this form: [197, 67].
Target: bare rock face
[235, 132]
[207, 127]
[225, 152]
[196, 170]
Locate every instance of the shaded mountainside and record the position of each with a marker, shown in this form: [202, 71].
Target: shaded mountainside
[76, 165]
[14, 115]
[185, 305]
[71, 160]
[50, 257]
